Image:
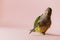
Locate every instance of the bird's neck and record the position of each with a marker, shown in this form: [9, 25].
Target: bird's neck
[49, 17]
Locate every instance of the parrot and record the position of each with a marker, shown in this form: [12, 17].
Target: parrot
[42, 22]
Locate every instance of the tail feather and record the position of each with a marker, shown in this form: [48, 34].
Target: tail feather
[31, 31]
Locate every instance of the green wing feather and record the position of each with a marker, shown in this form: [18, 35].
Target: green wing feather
[35, 23]
[37, 20]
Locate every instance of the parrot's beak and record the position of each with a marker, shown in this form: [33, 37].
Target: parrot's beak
[48, 11]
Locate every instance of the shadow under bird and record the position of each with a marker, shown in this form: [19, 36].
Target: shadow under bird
[43, 22]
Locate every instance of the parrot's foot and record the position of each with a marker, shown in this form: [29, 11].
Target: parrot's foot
[43, 33]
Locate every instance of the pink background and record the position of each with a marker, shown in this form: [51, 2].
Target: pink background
[17, 17]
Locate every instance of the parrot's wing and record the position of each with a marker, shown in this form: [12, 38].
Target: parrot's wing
[36, 23]
[37, 20]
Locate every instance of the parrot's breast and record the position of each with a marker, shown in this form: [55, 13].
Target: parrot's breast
[43, 27]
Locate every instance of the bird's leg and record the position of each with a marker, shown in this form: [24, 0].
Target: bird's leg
[43, 33]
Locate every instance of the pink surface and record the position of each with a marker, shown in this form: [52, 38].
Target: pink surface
[20, 14]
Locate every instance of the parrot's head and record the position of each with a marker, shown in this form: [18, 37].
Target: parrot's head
[48, 11]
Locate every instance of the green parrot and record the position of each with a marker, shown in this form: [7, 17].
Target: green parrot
[43, 22]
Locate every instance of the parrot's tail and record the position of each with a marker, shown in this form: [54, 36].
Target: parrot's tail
[31, 31]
